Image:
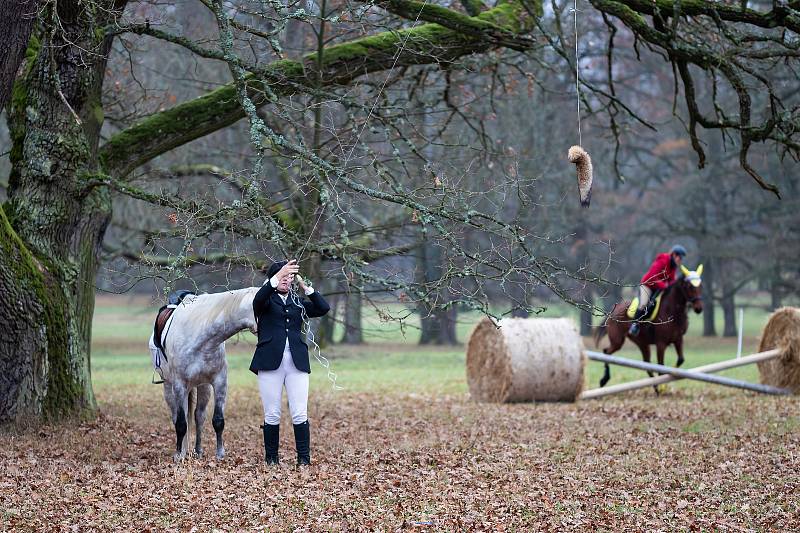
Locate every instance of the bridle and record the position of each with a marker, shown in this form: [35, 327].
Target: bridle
[689, 300]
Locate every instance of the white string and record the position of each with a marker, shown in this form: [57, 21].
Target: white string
[385, 81]
[357, 140]
[577, 70]
[321, 359]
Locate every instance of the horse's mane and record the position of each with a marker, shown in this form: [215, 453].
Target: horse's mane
[673, 286]
[679, 312]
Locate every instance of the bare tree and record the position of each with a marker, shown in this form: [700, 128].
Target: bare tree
[330, 133]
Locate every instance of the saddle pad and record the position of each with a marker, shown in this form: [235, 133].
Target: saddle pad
[157, 342]
[631, 312]
[164, 314]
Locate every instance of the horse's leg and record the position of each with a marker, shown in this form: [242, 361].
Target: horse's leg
[661, 349]
[203, 395]
[218, 420]
[645, 349]
[172, 401]
[606, 375]
[616, 338]
[679, 350]
[181, 398]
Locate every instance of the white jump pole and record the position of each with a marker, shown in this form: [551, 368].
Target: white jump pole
[649, 382]
[741, 328]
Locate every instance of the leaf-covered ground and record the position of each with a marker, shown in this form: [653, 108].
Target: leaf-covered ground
[715, 460]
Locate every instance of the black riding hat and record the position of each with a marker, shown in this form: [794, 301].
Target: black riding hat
[275, 267]
[677, 249]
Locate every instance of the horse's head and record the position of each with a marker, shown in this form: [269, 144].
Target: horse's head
[691, 285]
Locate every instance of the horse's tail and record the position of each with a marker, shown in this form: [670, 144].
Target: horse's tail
[600, 332]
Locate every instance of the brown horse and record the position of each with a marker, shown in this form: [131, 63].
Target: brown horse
[668, 327]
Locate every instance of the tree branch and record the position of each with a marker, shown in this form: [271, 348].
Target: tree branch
[341, 64]
[468, 25]
[780, 16]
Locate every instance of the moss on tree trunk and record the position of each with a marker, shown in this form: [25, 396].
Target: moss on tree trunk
[53, 222]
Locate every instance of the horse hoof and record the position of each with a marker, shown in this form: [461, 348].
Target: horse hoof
[198, 452]
[604, 380]
[178, 457]
[221, 453]
[680, 361]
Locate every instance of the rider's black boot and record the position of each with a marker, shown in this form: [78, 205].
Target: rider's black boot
[640, 314]
[302, 440]
[271, 435]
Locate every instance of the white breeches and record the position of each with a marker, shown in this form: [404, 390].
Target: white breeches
[645, 293]
[271, 383]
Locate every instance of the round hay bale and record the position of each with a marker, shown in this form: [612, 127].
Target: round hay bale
[782, 331]
[539, 359]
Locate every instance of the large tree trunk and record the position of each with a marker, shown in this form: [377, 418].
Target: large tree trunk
[729, 315]
[438, 325]
[322, 329]
[352, 318]
[16, 24]
[613, 297]
[327, 323]
[55, 219]
[709, 324]
[775, 287]
[728, 309]
[33, 328]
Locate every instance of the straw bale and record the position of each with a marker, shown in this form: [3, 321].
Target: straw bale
[782, 331]
[539, 359]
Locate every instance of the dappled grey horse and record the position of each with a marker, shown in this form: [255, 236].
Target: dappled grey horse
[193, 339]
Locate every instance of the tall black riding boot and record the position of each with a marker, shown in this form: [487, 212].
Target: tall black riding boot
[302, 441]
[640, 314]
[271, 435]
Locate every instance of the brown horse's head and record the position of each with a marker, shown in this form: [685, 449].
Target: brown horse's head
[692, 287]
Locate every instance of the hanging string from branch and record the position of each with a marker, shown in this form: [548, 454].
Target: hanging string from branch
[576, 154]
[577, 70]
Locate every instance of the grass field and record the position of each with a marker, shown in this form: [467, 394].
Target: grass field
[391, 361]
[403, 447]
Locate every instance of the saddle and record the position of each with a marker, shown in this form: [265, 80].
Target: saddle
[652, 307]
[173, 300]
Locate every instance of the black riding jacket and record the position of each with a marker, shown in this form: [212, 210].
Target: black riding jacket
[277, 320]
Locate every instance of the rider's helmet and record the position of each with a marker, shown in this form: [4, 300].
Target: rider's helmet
[274, 268]
[678, 249]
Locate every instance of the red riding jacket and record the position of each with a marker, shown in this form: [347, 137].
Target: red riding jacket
[661, 273]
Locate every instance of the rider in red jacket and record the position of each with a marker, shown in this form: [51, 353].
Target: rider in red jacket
[660, 276]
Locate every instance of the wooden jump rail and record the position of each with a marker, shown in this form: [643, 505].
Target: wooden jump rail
[671, 374]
